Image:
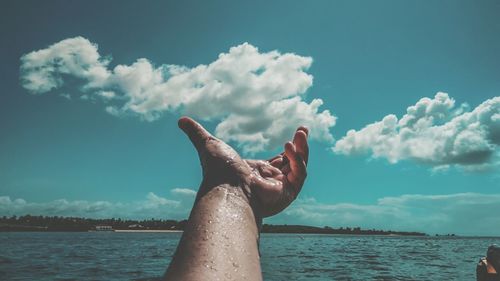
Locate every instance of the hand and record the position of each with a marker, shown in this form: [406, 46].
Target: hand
[270, 185]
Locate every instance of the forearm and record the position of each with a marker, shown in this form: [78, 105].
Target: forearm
[220, 241]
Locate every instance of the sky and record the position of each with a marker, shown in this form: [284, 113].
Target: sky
[401, 97]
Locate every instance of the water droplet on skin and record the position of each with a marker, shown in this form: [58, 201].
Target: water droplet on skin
[235, 264]
[209, 221]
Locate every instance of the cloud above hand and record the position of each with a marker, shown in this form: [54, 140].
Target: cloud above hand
[434, 132]
[257, 99]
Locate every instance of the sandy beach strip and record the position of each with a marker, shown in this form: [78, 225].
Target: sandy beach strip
[145, 230]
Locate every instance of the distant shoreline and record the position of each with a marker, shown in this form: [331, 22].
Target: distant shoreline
[268, 229]
[29, 223]
[181, 231]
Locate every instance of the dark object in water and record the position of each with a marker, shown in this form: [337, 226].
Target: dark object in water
[493, 256]
[488, 268]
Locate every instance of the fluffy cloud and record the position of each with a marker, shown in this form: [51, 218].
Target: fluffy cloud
[433, 131]
[256, 98]
[184, 192]
[428, 213]
[152, 206]
[46, 69]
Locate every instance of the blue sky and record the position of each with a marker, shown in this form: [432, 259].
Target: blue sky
[90, 143]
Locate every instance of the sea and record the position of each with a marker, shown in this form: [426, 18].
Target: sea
[145, 256]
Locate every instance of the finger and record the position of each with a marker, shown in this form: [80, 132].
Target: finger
[275, 171]
[267, 170]
[304, 129]
[276, 157]
[196, 133]
[278, 162]
[300, 141]
[298, 171]
[285, 166]
[285, 169]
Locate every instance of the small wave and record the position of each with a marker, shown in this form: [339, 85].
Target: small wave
[148, 279]
[385, 278]
[378, 268]
[135, 272]
[5, 260]
[372, 262]
[95, 270]
[285, 256]
[322, 270]
[442, 265]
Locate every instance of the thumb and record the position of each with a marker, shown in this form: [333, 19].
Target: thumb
[196, 133]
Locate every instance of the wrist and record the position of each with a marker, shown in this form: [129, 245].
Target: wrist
[231, 196]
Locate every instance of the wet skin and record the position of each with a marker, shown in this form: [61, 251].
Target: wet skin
[220, 241]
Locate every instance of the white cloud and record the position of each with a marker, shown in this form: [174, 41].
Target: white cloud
[184, 192]
[462, 213]
[154, 201]
[45, 69]
[153, 206]
[66, 96]
[257, 98]
[435, 132]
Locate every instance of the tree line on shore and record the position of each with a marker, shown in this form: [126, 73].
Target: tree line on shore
[59, 223]
[269, 228]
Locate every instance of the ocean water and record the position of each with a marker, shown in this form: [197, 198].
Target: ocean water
[144, 256]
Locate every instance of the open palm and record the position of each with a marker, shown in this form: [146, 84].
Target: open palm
[272, 184]
[278, 181]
